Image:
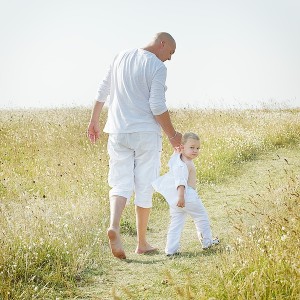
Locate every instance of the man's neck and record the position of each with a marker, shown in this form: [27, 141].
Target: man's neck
[150, 48]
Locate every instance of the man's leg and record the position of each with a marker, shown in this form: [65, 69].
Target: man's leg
[117, 205]
[147, 164]
[142, 217]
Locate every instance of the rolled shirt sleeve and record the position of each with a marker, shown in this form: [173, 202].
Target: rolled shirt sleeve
[158, 88]
[179, 171]
[179, 174]
[104, 87]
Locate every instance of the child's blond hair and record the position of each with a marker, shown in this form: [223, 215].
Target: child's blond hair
[189, 135]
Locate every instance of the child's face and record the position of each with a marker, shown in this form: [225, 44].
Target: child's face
[191, 148]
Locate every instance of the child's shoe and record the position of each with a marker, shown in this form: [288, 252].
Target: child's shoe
[214, 242]
[173, 254]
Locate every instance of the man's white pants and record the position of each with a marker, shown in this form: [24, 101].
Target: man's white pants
[195, 208]
[134, 162]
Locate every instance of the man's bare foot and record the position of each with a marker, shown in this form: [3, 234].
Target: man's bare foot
[146, 249]
[115, 244]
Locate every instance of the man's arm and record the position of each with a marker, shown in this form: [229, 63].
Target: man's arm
[93, 131]
[166, 124]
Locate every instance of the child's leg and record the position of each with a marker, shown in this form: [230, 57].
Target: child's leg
[178, 216]
[198, 212]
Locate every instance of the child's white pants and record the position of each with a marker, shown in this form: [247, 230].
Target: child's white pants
[195, 208]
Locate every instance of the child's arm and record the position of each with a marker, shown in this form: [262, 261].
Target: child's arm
[181, 200]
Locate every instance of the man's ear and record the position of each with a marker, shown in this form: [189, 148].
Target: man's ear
[181, 147]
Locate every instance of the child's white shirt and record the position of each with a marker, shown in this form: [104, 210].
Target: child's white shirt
[168, 183]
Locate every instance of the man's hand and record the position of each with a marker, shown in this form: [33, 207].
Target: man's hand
[176, 140]
[93, 132]
[166, 124]
[178, 149]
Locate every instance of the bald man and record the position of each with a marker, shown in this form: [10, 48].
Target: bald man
[137, 112]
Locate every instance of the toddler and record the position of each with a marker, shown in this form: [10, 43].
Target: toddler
[178, 187]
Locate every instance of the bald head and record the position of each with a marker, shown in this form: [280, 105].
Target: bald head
[162, 45]
[164, 36]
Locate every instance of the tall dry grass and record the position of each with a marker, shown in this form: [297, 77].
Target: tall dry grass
[53, 189]
[232, 137]
[261, 261]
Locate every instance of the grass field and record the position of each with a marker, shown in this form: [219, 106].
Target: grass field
[54, 211]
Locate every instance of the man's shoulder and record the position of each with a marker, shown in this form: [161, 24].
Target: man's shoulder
[142, 57]
[129, 50]
[126, 52]
[151, 58]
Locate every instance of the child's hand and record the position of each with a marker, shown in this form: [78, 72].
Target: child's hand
[181, 202]
[178, 149]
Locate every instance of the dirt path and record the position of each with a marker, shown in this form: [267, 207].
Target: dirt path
[145, 272]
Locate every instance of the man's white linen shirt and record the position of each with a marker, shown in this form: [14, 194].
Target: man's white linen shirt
[135, 83]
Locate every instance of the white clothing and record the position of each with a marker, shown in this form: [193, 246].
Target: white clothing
[134, 163]
[194, 208]
[167, 186]
[135, 83]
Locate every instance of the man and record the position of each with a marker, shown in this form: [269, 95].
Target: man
[137, 111]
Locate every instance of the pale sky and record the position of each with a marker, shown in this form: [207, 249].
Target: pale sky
[229, 53]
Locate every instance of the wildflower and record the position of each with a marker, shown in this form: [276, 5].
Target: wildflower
[239, 240]
[283, 237]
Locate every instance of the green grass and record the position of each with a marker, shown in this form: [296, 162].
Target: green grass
[260, 261]
[54, 211]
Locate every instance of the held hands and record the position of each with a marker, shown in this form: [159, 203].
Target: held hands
[176, 140]
[178, 149]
